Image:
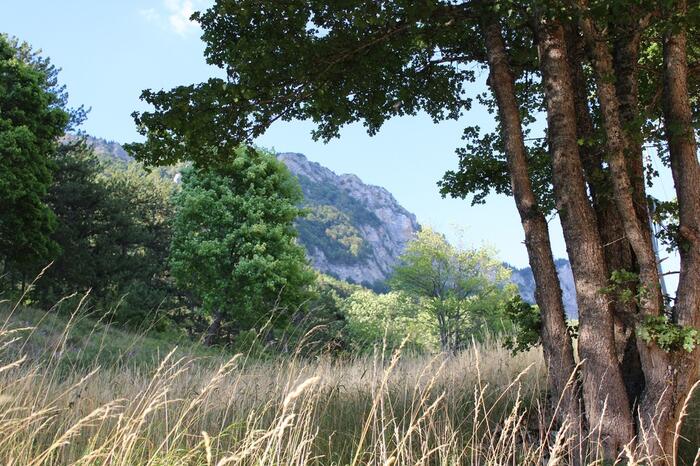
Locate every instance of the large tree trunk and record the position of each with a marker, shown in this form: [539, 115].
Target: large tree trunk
[686, 175]
[616, 249]
[618, 145]
[627, 37]
[558, 350]
[656, 405]
[607, 405]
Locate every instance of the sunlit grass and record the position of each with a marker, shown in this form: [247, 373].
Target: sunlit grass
[76, 391]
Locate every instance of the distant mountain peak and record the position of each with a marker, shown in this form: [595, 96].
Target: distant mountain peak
[105, 149]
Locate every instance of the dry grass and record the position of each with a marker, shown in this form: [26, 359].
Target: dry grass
[189, 408]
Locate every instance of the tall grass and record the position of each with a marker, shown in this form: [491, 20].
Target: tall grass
[67, 399]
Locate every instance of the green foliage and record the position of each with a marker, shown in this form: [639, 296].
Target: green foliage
[624, 286]
[483, 168]
[321, 325]
[665, 214]
[114, 233]
[462, 289]
[331, 62]
[32, 117]
[80, 203]
[527, 322]
[139, 237]
[389, 319]
[668, 335]
[234, 244]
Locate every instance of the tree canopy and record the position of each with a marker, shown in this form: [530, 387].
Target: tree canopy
[234, 244]
[463, 289]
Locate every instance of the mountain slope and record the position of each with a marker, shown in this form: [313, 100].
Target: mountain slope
[525, 281]
[353, 231]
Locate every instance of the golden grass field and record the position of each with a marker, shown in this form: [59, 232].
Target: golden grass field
[77, 392]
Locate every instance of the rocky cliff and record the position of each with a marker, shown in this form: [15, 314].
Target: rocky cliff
[352, 231]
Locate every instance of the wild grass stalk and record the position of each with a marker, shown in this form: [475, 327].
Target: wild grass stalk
[57, 407]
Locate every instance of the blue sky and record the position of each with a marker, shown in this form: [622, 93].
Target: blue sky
[110, 50]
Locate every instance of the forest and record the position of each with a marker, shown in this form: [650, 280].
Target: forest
[160, 309]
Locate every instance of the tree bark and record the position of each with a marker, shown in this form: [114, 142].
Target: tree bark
[618, 145]
[627, 37]
[607, 405]
[616, 249]
[656, 408]
[556, 342]
[682, 147]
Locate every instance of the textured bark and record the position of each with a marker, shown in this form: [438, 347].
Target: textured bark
[656, 406]
[607, 405]
[558, 350]
[686, 175]
[627, 37]
[616, 249]
[618, 148]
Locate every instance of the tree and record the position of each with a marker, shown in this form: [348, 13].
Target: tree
[32, 117]
[133, 249]
[462, 289]
[388, 319]
[369, 61]
[80, 203]
[234, 244]
[113, 230]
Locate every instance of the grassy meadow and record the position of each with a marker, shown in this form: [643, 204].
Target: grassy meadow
[77, 391]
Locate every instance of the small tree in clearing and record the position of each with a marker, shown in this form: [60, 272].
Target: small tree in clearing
[462, 289]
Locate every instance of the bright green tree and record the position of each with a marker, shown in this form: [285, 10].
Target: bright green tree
[32, 117]
[463, 289]
[389, 319]
[234, 243]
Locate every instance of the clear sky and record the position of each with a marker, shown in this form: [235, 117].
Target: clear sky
[109, 50]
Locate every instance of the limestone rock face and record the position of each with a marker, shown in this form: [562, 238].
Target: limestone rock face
[354, 231]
